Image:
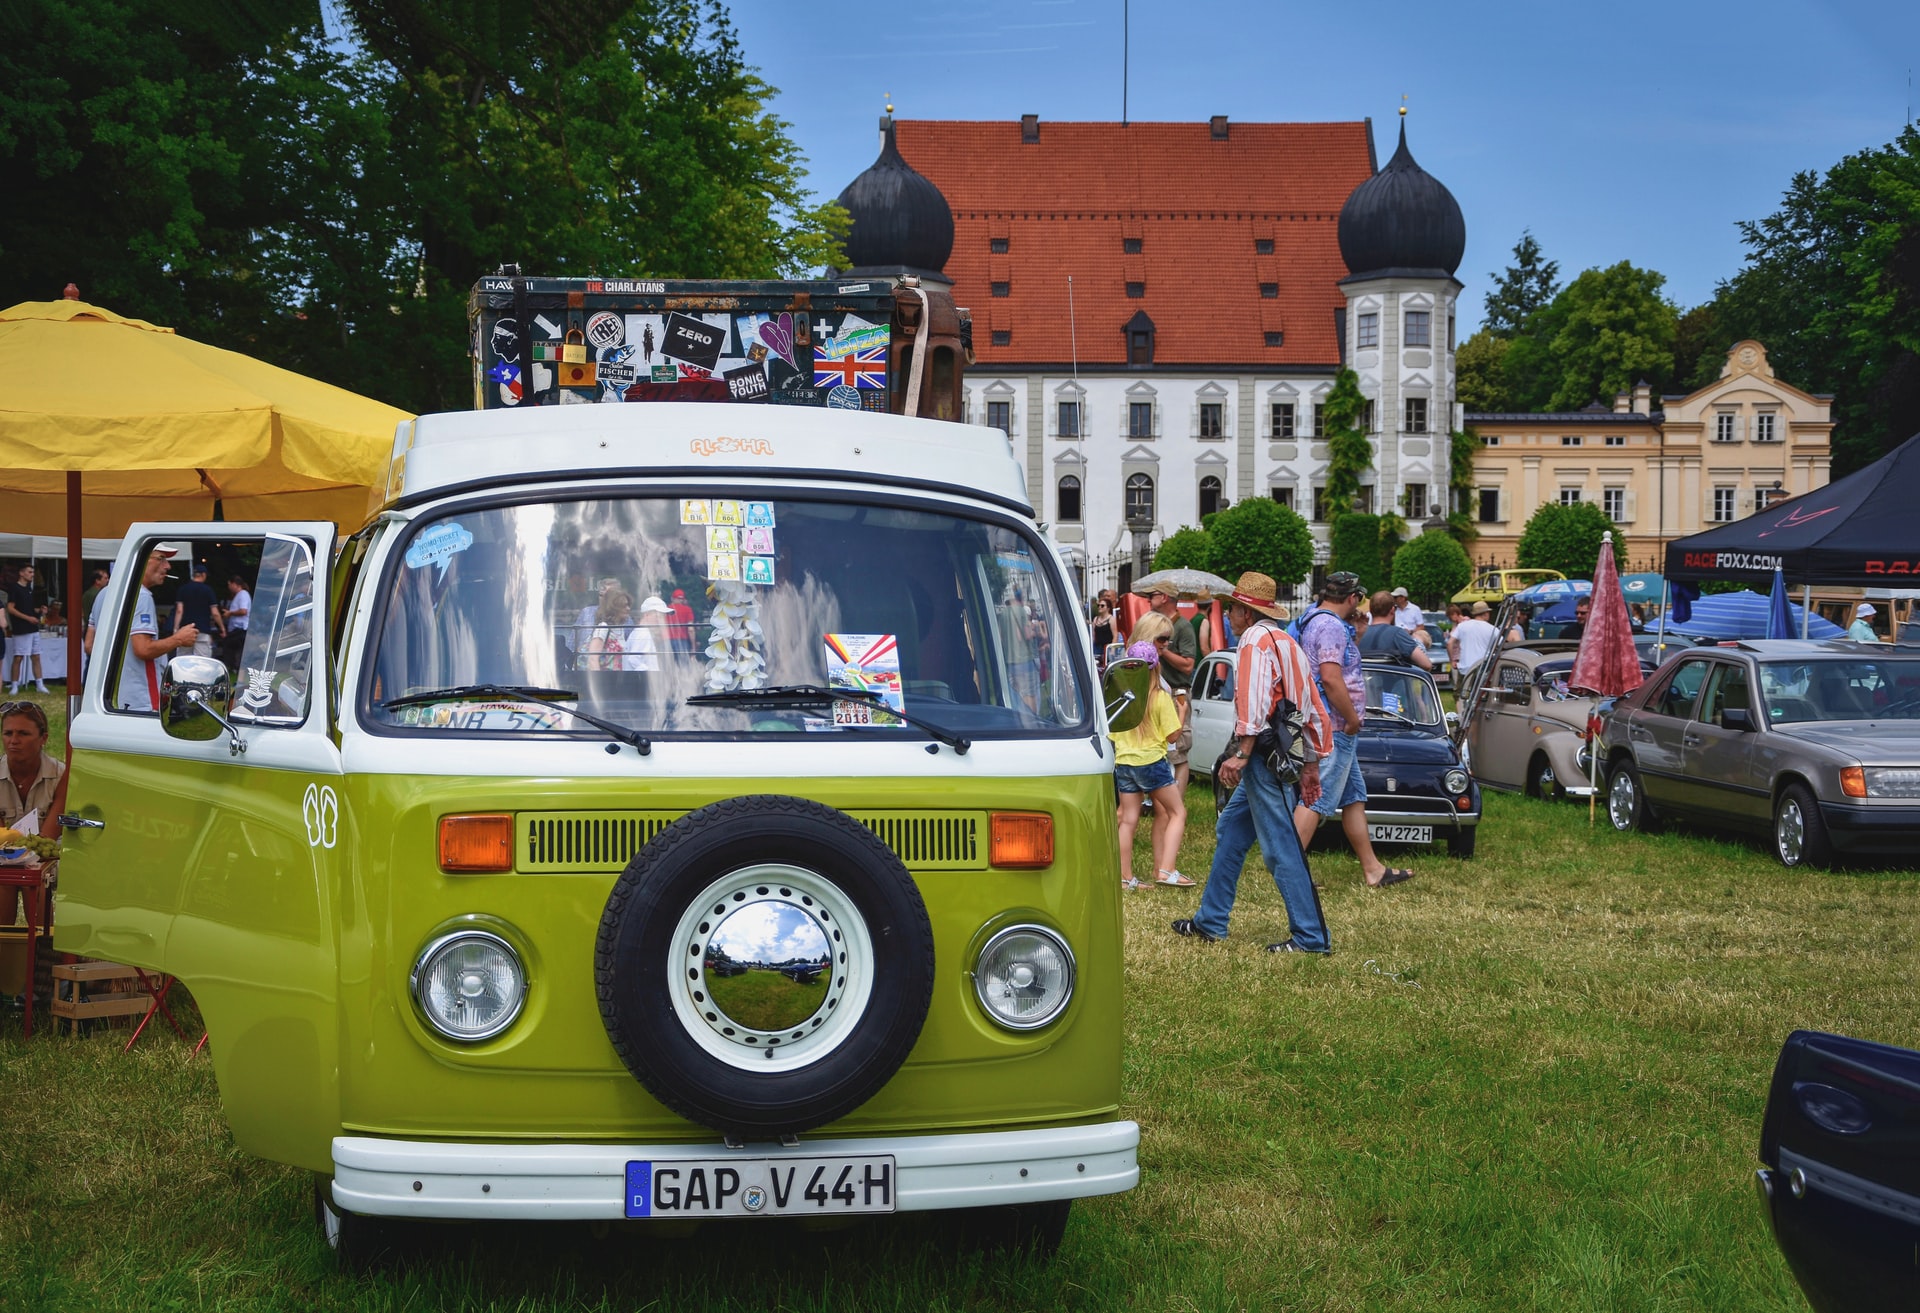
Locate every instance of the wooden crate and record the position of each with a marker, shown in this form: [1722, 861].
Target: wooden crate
[113, 991]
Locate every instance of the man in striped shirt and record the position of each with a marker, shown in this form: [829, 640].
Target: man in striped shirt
[1271, 667]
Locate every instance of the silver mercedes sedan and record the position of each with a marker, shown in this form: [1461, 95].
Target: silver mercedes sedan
[1816, 744]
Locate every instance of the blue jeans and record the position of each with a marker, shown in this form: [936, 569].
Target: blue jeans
[1261, 808]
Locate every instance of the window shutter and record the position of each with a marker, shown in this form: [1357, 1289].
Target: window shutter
[1632, 504]
[1193, 418]
[1506, 506]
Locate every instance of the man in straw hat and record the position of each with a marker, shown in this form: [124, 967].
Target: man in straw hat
[1271, 671]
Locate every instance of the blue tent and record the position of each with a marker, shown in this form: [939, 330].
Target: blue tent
[1744, 615]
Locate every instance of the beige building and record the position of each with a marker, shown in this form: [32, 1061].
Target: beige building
[1734, 447]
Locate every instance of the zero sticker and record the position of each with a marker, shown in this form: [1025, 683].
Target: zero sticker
[693, 340]
[438, 546]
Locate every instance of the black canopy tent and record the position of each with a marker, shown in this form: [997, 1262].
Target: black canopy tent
[1861, 531]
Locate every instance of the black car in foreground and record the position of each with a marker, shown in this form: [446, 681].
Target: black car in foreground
[1841, 1184]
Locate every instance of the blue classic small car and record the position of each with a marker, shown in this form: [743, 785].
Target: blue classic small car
[1418, 790]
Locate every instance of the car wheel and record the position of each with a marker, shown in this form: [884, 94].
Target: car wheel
[359, 1243]
[695, 1001]
[1799, 831]
[1541, 780]
[1460, 842]
[1626, 801]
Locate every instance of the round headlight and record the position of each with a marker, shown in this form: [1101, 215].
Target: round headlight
[1456, 781]
[1024, 977]
[469, 985]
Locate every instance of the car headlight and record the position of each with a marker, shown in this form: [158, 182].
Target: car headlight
[469, 985]
[1892, 782]
[1456, 781]
[1024, 977]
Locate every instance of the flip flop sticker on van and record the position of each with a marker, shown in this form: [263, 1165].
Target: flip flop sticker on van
[438, 546]
[320, 808]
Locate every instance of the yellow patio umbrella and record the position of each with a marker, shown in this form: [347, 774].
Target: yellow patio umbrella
[106, 420]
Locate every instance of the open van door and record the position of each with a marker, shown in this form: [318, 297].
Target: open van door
[1842, 1181]
[200, 807]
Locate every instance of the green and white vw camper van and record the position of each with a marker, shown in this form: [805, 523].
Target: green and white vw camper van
[509, 890]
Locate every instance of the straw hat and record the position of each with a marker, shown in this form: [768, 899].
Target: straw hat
[1481, 608]
[1256, 591]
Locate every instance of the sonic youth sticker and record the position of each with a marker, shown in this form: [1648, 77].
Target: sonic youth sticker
[693, 341]
[438, 546]
[747, 383]
[757, 541]
[606, 329]
[757, 569]
[759, 514]
[720, 538]
[723, 566]
[727, 511]
[696, 510]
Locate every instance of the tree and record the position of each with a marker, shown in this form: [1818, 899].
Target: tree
[1461, 449]
[1832, 288]
[1479, 372]
[1355, 544]
[1608, 329]
[1522, 291]
[1348, 450]
[1261, 534]
[1432, 568]
[1189, 548]
[1567, 539]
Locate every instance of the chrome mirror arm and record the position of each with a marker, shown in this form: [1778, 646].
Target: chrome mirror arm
[236, 746]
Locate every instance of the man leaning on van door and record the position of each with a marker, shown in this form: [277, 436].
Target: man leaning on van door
[139, 688]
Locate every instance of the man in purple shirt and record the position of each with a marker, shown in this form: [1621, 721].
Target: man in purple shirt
[1326, 634]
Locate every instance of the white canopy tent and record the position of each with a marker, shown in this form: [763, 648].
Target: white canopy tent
[35, 546]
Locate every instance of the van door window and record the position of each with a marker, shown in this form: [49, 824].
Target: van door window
[273, 684]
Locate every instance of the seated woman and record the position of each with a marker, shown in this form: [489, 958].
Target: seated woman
[35, 781]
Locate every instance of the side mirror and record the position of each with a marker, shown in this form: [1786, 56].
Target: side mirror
[194, 701]
[1124, 690]
[1453, 719]
[1739, 718]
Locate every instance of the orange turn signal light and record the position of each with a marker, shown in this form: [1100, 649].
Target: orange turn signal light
[1853, 781]
[1020, 840]
[476, 843]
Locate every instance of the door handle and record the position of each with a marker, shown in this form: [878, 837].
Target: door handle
[1691, 740]
[69, 821]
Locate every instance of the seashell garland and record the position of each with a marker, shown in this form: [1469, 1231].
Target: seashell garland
[736, 647]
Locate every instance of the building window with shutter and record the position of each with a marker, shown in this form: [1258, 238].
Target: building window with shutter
[1416, 414]
[1765, 497]
[1570, 496]
[1000, 416]
[1763, 430]
[1211, 423]
[1001, 289]
[1364, 502]
[1209, 496]
[1130, 245]
[1282, 496]
[1139, 348]
[1419, 328]
[1069, 419]
[1139, 419]
[1369, 331]
[1613, 502]
[997, 245]
[1489, 506]
[1723, 427]
[1003, 337]
[1139, 499]
[1282, 420]
[1319, 503]
[1366, 417]
[1724, 501]
[1319, 421]
[1069, 499]
[1416, 501]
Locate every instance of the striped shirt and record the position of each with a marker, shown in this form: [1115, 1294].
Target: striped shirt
[1272, 666]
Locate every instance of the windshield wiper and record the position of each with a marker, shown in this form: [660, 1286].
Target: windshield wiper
[805, 696]
[1382, 711]
[527, 693]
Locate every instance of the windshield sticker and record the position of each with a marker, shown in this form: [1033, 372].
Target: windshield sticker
[723, 566]
[695, 510]
[759, 514]
[757, 541]
[481, 715]
[727, 512]
[1390, 702]
[867, 663]
[757, 569]
[438, 546]
[721, 538]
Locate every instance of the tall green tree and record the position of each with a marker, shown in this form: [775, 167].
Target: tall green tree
[1261, 534]
[1349, 451]
[1432, 567]
[1832, 288]
[1187, 548]
[1479, 372]
[1567, 539]
[1608, 329]
[1521, 290]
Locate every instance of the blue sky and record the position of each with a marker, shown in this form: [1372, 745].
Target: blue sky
[1619, 131]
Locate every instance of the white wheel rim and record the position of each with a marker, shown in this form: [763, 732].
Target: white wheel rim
[1790, 832]
[849, 984]
[1620, 801]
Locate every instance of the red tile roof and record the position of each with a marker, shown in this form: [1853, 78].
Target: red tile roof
[1066, 203]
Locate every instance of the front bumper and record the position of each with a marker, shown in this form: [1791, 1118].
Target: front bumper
[1871, 829]
[1443, 822]
[560, 1182]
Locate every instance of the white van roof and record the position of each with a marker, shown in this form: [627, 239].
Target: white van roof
[437, 452]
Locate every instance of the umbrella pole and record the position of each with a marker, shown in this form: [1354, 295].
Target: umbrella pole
[1806, 609]
[76, 623]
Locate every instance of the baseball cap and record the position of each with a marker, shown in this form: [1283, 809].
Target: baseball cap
[1341, 584]
[654, 606]
[1399, 592]
[199, 567]
[679, 594]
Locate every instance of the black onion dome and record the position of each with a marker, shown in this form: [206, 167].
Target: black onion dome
[901, 222]
[1402, 220]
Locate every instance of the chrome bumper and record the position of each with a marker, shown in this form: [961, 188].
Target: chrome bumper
[558, 1182]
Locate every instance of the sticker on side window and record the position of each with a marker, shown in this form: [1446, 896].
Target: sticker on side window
[438, 546]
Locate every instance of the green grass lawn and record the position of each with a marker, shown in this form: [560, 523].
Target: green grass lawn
[1528, 1081]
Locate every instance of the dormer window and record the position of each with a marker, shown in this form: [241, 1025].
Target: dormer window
[997, 245]
[1139, 335]
[1130, 245]
[1263, 246]
[1136, 290]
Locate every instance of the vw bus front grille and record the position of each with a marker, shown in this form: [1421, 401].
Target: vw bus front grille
[608, 840]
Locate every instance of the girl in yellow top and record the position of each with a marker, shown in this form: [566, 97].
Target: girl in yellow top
[1141, 767]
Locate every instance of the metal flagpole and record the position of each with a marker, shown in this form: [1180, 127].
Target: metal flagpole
[1806, 609]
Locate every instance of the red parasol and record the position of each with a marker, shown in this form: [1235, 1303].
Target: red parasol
[1607, 663]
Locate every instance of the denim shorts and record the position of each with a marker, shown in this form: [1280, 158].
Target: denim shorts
[1143, 779]
[1341, 784]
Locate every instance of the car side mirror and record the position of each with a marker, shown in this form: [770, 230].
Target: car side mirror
[194, 700]
[1739, 718]
[1453, 719]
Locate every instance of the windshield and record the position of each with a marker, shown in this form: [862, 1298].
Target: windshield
[638, 604]
[1798, 691]
[1401, 693]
